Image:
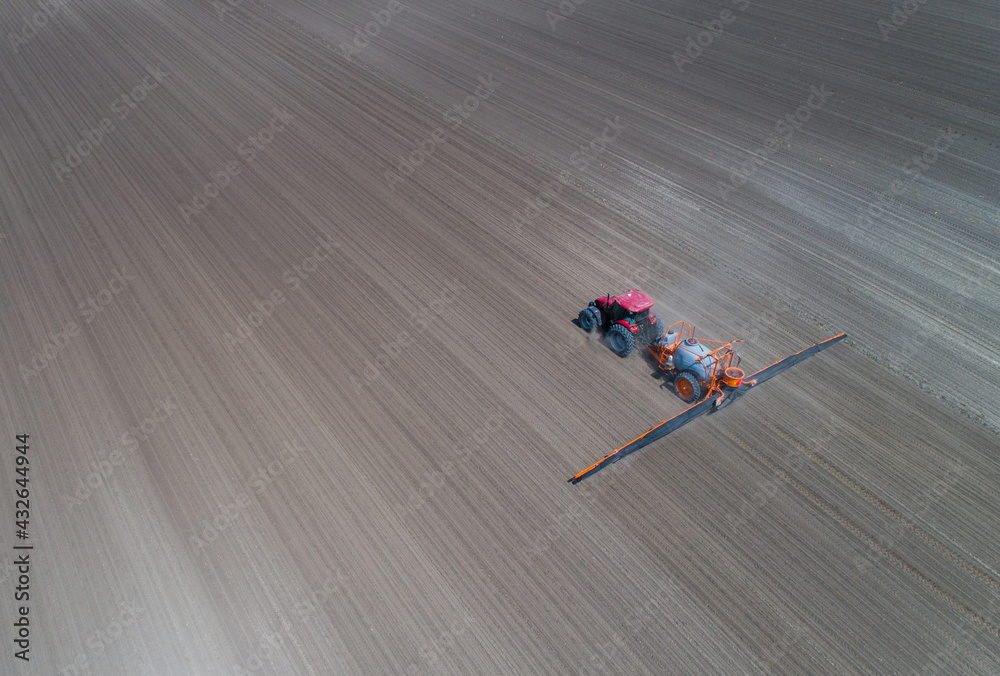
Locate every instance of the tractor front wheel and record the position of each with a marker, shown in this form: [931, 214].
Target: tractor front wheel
[687, 386]
[589, 319]
[621, 339]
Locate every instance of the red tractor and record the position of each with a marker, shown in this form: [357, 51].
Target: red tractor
[624, 319]
[703, 371]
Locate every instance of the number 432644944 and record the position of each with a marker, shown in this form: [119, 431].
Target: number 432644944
[21, 460]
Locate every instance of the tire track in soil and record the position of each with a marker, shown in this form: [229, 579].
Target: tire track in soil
[977, 573]
[863, 535]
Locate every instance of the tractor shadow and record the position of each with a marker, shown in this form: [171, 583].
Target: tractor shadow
[666, 381]
[656, 373]
[596, 336]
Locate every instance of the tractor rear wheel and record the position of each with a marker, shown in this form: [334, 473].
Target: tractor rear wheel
[687, 386]
[621, 339]
[589, 319]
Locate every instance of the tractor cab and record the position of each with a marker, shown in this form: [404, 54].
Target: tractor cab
[632, 306]
[625, 318]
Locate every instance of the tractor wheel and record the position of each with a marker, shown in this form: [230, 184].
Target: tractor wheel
[687, 386]
[621, 339]
[589, 319]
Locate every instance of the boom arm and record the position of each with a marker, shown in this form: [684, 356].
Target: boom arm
[655, 434]
[779, 366]
[704, 406]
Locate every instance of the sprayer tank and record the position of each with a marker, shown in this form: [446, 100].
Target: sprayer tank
[692, 356]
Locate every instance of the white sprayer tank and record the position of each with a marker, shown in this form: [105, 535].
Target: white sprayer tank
[692, 356]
